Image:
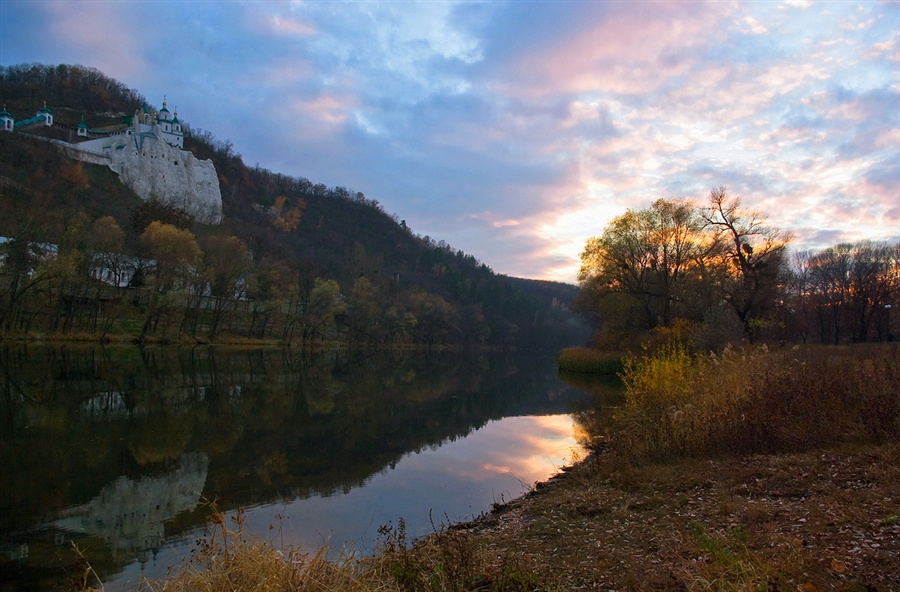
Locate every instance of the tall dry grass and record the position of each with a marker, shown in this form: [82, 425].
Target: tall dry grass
[229, 560]
[753, 400]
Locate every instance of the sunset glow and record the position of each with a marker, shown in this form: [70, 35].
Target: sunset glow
[514, 131]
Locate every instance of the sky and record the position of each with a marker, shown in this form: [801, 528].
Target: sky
[514, 131]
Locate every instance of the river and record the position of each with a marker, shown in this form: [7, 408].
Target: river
[121, 450]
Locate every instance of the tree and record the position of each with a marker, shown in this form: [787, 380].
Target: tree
[287, 219]
[108, 263]
[176, 257]
[155, 210]
[325, 302]
[72, 261]
[846, 287]
[24, 270]
[175, 252]
[227, 262]
[106, 246]
[436, 319]
[365, 312]
[271, 288]
[752, 257]
[645, 255]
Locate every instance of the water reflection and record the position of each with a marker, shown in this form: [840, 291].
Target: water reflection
[432, 487]
[129, 514]
[113, 448]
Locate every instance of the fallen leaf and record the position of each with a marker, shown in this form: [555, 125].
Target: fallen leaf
[838, 566]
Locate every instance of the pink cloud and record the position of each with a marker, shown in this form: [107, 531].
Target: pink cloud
[631, 51]
[290, 27]
[259, 18]
[287, 72]
[318, 116]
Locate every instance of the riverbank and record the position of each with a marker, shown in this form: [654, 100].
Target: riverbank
[748, 470]
[819, 520]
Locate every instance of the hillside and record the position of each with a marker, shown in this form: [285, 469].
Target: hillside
[394, 284]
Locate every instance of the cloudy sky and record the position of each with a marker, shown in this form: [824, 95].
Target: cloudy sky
[516, 130]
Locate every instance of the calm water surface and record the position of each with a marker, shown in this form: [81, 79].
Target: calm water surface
[118, 450]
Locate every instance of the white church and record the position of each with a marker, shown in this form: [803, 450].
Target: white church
[147, 152]
[146, 124]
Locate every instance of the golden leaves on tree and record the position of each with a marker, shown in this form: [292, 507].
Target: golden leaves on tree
[287, 220]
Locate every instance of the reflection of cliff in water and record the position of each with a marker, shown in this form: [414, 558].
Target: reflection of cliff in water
[131, 513]
[81, 427]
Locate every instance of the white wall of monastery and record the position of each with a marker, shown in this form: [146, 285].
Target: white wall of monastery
[157, 169]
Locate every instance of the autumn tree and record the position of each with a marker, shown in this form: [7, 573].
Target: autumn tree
[272, 288]
[365, 312]
[24, 270]
[176, 257]
[437, 321]
[72, 262]
[644, 255]
[226, 264]
[108, 263]
[324, 303]
[286, 218]
[106, 247]
[155, 210]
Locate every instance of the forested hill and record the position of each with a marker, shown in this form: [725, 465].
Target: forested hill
[303, 240]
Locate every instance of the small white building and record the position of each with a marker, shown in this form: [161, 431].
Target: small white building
[43, 117]
[6, 120]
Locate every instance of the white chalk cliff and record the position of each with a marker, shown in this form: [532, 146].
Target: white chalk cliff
[147, 154]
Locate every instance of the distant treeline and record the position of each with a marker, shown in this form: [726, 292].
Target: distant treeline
[720, 273]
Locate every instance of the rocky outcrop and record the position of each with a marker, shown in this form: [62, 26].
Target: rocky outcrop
[153, 168]
[173, 176]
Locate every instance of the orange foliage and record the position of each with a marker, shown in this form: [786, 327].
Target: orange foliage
[291, 218]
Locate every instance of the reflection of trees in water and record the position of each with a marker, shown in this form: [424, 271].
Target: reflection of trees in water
[270, 422]
[594, 419]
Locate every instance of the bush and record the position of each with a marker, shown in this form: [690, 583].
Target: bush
[720, 327]
[756, 401]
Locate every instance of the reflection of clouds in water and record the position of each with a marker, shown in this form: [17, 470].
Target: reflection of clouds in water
[453, 482]
[427, 489]
[525, 447]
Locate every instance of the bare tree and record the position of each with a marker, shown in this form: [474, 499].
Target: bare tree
[752, 256]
